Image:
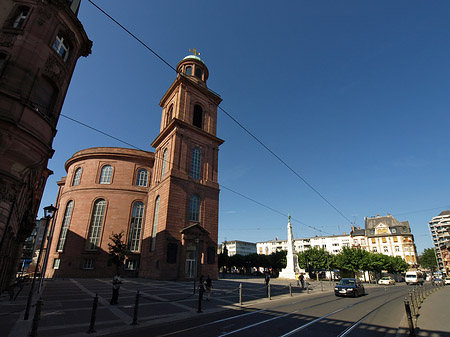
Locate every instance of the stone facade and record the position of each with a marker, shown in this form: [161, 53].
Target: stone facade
[40, 43]
[174, 234]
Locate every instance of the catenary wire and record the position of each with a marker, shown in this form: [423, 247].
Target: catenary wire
[229, 115]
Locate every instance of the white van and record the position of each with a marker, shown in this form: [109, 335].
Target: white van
[414, 277]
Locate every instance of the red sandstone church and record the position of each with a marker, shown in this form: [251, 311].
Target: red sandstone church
[165, 202]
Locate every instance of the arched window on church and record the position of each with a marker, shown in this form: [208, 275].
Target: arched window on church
[164, 163]
[65, 226]
[155, 224]
[169, 115]
[198, 72]
[95, 228]
[20, 17]
[142, 178]
[196, 163]
[189, 71]
[77, 177]
[106, 174]
[137, 217]
[198, 116]
[194, 208]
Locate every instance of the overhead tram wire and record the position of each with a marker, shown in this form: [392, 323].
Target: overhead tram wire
[167, 161]
[225, 112]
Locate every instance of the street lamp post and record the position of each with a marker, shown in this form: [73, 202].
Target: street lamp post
[197, 240]
[49, 212]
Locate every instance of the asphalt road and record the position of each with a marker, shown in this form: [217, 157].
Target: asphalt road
[378, 313]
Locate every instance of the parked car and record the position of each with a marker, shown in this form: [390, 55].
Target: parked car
[386, 281]
[437, 281]
[447, 280]
[349, 287]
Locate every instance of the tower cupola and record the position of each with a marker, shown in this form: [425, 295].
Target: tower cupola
[193, 67]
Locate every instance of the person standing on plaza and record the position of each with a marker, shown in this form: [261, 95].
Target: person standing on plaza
[115, 289]
[302, 280]
[201, 291]
[208, 286]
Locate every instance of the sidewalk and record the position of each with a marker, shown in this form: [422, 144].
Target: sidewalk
[434, 318]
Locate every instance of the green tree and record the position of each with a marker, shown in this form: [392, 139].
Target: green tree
[223, 260]
[277, 260]
[352, 260]
[428, 259]
[117, 249]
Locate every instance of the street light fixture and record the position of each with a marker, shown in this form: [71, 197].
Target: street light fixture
[49, 213]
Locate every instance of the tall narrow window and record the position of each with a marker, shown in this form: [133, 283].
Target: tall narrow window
[76, 177]
[198, 116]
[95, 228]
[163, 169]
[136, 226]
[44, 96]
[189, 70]
[198, 72]
[65, 226]
[21, 17]
[105, 176]
[61, 47]
[2, 61]
[169, 115]
[142, 177]
[196, 163]
[194, 208]
[155, 224]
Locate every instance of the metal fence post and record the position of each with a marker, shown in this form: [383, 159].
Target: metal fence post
[93, 314]
[36, 318]
[290, 289]
[410, 321]
[268, 291]
[136, 306]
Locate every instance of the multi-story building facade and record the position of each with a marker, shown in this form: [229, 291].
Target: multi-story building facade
[332, 244]
[40, 43]
[388, 236]
[440, 234]
[238, 247]
[382, 234]
[165, 203]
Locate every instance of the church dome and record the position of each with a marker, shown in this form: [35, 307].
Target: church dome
[193, 67]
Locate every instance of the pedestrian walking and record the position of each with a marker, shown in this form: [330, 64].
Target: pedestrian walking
[115, 289]
[267, 280]
[302, 280]
[208, 286]
[201, 290]
[297, 279]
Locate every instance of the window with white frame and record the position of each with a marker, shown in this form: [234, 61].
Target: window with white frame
[386, 249]
[95, 228]
[397, 249]
[61, 47]
[374, 249]
[137, 217]
[77, 177]
[56, 263]
[164, 161]
[194, 208]
[142, 178]
[155, 224]
[196, 163]
[130, 264]
[65, 226]
[88, 263]
[106, 174]
[21, 17]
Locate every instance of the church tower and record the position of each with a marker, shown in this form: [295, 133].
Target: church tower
[181, 232]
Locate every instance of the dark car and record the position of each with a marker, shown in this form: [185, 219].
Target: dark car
[349, 287]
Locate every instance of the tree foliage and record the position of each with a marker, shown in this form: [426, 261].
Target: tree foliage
[117, 249]
[428, 259]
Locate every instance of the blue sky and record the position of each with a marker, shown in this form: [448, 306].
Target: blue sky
[352, 95]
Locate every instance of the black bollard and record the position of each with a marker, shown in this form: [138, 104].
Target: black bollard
[240, 293]
[36, 318]
[268, 291]
[290, 289]
[136, 306]
[409, 317]
[93, 314]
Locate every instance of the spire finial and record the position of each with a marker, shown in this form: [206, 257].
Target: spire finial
[195, 52]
